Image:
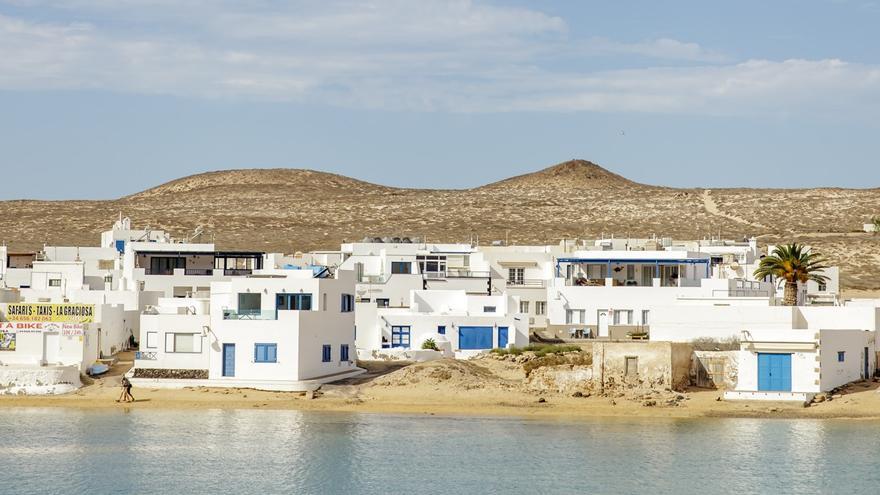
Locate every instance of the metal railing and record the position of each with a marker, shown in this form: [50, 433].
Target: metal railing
[237, 272]
[527, 283]
[199, 271]
[145, 356]
[257, 314]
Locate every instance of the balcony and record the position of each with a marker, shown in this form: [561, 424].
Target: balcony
[455, 273]
[257, 314]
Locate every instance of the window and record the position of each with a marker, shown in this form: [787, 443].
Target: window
[301, 302]
[841, 356]
[644, 317]
[516, 276]
[108, 279]
[489, 309]
[183, 342]
[54, 282]
[632, 366]
[524, 307]
[382, 303]
[152, 340]
[401, 267]
[540, 308]
[249, 303]
[441, 329]
[399, 336]
[823, 287]
[630, 272]
[623, 317]
[326, 352]
[343, 353]
[575, 316]
[265, 353]
[347, 303]
[431, 264]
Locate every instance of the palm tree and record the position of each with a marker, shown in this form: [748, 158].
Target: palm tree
[793, 263]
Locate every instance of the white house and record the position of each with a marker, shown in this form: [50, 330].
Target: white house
[796, 364]
[615, 293]
[461, 324]
[387, 271]
[274, 330]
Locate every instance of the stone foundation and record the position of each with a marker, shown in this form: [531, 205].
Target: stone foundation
[171, 374]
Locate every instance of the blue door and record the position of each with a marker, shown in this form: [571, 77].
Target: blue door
[502, 337]
[474, 338]
[774, 372]
[228, 359]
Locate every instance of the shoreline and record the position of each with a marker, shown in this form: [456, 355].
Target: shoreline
[863, 405]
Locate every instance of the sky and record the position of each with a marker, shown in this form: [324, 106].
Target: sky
[104, 98]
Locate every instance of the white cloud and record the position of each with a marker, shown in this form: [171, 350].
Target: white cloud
[457, 56]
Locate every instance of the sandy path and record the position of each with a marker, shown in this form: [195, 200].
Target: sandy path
[712, 207]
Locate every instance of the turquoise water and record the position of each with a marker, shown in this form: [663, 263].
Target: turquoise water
[231, 452]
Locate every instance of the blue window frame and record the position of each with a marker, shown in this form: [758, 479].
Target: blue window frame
[400, 336]
[265, 353]
[441, 329]
[343, 352]
[347, 303]
[841, 356]
[301, 302]
[326, 352]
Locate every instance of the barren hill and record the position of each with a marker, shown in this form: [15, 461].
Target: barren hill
[288, 210]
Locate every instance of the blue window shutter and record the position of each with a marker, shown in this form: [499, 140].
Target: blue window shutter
[272, 353]
[257, 353]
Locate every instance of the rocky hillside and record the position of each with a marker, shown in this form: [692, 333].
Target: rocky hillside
[288, 210]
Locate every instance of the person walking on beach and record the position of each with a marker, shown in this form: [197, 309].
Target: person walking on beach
[126, 391]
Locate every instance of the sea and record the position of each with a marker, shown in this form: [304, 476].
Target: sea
[141, 451]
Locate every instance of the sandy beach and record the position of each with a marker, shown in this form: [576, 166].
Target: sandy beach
[379, 392]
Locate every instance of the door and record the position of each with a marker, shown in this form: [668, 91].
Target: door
[502, 337]
[867, 374]
[471, 338]
[228, 359]
[51, 345]
[774, 372]
[603, 322]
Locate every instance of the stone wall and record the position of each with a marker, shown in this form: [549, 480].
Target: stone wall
[714, 369]
[641, 365]
[171, 374]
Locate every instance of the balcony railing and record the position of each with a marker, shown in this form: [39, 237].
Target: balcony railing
[455, 273]
[237, 272]
[527, 283]
[265, 314]
[199, 271]
[145, 356]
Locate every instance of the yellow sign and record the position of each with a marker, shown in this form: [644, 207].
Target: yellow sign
[56, 313]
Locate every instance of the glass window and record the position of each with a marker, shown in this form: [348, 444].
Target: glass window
[265, 353]
[516, 276]
[183, 342]
[524, 307]
[540, 307]
[400, 336]
[489, 309]
[54, 282]
[401, 267]
[301, 302]
[249, 303]
[382, 303]
[441, 329]
[644, 317]
[152, 340]
[841, 356]
[326, 352]
[343, 353]
[347, 303]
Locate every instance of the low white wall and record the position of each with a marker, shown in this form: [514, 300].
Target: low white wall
[44, 380]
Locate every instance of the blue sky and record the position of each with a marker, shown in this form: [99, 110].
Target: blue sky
[99, 99]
